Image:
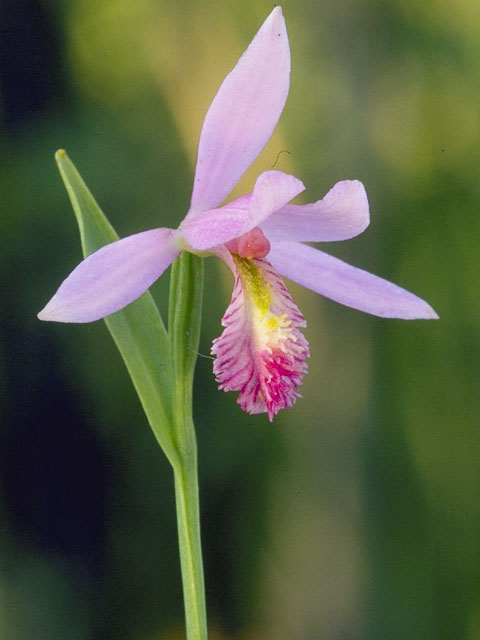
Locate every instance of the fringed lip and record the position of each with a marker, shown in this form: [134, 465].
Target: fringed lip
[261, 352]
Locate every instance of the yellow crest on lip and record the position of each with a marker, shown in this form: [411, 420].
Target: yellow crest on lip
[269, 327]
[261, 352]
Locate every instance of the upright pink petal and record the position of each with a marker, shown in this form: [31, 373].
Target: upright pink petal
[243, 114]
[272, 190]
[346, 284]
[112, 277]
[343, 213]
[261, 352]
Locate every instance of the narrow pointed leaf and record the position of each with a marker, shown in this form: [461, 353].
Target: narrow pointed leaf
[138, 330]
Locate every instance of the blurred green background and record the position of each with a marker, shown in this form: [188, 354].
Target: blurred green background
[354, 516]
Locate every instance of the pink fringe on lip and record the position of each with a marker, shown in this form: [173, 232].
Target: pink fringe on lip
[266, 366]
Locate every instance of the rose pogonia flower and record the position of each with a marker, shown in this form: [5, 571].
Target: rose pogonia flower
[260, 236]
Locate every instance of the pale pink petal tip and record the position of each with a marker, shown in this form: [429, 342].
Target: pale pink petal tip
[261, 352]
[112, 277]
[341, 214]
[346, 284]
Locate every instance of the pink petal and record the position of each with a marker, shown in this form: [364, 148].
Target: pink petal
[212, 228]
[261, 352]
[243, 114]
[272, 190]
[346, 284]
[343, 213]
[112, 277]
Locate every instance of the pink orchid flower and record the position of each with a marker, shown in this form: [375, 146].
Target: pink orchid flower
[261, 352]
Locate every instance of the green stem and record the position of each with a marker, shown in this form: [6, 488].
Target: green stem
[185, 305]
[188, 519]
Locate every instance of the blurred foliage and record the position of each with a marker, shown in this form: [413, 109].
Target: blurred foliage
[357, 514]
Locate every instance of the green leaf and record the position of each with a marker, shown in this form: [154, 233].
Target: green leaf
[138, 329]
